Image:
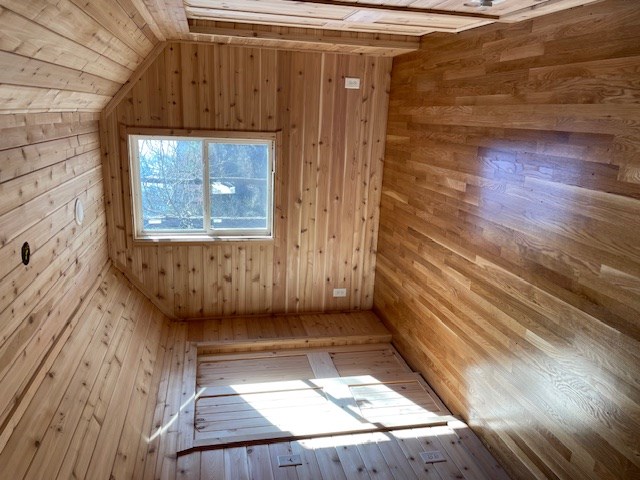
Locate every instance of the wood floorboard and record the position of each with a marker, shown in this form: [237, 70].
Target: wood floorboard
[119, 413]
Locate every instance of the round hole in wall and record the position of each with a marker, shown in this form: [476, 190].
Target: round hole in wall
[79, 212]
[26, 253]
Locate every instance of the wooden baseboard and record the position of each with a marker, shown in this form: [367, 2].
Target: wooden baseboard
[233, 346]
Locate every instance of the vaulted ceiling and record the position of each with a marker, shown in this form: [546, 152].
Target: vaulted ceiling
[74, 55]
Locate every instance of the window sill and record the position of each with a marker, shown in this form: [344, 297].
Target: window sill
[196, 240]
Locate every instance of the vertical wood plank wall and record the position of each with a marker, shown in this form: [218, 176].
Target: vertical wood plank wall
[328, 178]
[508, 264]
[47, 161]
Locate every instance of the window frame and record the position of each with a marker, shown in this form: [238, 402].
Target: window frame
[139, 235]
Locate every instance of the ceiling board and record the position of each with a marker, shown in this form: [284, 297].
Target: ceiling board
[75, 55]
[302, 22]
[400, 17]
[332, 15]
[69, 55]
[499, 7]
[170, 16]
[320, 40]
[543, 8]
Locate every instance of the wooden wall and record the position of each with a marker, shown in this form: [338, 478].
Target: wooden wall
[107, 404]
[60, 63]
[509, 255]
[90, 415]
[47, 161]
[328, 178]
[70, 55]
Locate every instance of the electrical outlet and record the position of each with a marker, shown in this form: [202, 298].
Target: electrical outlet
[339, 292]
[433, 456]
[352, 83]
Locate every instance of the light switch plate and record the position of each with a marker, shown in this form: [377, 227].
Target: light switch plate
[289, 460]
[339, 292]
[352, 83]
[433, 456]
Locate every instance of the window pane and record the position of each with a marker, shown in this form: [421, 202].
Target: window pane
[171, 184]
[239, 177]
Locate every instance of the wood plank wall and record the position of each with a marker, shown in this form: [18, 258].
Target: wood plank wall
[47, 161]
[328, 178]
[90, 416]
[70, 55]
[60, 63]
[509, 256]
[107, 404]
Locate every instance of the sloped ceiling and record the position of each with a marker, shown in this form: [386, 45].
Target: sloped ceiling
[70, 55]
[75, 55]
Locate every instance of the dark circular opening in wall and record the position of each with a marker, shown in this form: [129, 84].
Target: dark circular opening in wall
[26, 253]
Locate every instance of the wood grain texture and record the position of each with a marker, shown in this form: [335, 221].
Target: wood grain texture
[328, 178]
[303, 39]
[337, 15]
[393, 454]
[47, 161]
[508, 265]
[301, 394]
[90, 411]
[69, 55]
[108, 401]
[170, 16]
[402, 17]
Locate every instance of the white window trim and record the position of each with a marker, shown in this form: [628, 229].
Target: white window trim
[207, 234]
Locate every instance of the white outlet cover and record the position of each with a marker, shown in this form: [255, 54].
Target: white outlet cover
[352, 83]
[433, 456]
[339, 292]
[79, 212]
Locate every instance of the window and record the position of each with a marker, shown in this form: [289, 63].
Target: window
[199, 188]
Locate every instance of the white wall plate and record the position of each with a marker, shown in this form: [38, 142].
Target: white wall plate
[79, 212]
[433, 456]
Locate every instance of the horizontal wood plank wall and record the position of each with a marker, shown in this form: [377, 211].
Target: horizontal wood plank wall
[328, 178]
[509, 256]
[70, 55]
[47, 161]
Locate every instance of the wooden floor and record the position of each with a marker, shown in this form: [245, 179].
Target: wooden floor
[388, 455]
[303, 393]
[109, 405]
[281, 406]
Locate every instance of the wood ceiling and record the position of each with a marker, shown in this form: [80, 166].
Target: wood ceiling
[73, 55]
[314, 24]
[401, 17]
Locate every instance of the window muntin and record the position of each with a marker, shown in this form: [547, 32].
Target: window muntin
[169, 192]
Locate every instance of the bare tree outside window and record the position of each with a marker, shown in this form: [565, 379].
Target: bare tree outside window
[172, 197]
[171, 184]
